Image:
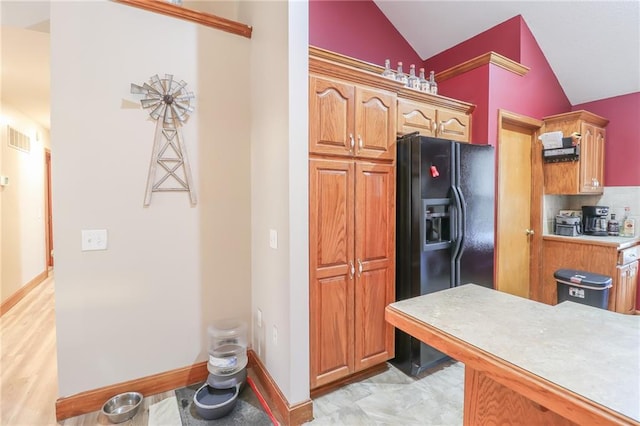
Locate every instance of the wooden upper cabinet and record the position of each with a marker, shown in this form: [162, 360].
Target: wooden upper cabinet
[375, 124]
[429, 120]
[592, 164]
[332, 117]
[349, 120]
[416, 117]
[585, 176]
[453, 125]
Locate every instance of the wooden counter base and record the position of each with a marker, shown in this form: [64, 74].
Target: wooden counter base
[497, 392]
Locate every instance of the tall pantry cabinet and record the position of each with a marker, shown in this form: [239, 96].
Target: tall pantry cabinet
[352, 134]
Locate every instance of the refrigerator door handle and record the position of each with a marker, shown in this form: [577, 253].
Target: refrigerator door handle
[463, 219]
[457, 232]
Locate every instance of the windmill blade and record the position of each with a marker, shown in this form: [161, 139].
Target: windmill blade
[157, 84]
[185, 97]
[178, 87]
[181, 116]
[168, 114]
[155, 114]
[138, 90]
[152, 90]
[184, 107]
[149, 103]
[167, 83]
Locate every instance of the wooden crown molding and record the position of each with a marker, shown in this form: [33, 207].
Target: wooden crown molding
[578, 115]
[339, 66]
[181, 12]
[488, 58]
[519, 120]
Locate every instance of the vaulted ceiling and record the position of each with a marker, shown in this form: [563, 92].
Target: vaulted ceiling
[592, 46]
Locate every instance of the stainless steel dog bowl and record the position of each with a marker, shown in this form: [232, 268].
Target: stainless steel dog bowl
[122, 407]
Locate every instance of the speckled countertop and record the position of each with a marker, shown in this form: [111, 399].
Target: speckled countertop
[592, 352]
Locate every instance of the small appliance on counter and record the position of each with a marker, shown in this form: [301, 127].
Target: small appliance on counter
[594, 220]
[569, 226]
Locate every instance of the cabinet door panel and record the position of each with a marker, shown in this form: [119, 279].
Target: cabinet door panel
[592, 159]
[374, 337]
[331, 248]
[453, 125]
[331, 344]
[375, 257]
[626, 288]
[416, 117]
[331, 112]
[375, 124]
[331, 215]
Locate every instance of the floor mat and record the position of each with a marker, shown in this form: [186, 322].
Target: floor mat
[248, 410]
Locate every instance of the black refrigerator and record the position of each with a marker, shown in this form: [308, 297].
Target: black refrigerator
[444, 227]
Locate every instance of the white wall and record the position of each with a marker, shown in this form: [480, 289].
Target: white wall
[142, 306]
[22, 204]
[279, 189]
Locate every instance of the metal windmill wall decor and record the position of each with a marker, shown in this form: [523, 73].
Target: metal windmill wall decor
[169, 103]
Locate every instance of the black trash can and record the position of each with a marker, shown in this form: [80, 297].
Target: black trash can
[583, 287]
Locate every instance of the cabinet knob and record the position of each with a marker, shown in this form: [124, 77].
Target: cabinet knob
[352, 270]
[352, 142]
[359, 268]
[530, 231]
[360, 143]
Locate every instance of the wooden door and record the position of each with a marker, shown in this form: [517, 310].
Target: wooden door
[453, 125]
[331, 112]
[331, 264]
[375, 263]
[416, 117]
[517, 220]
[375, 124]
[591, 159]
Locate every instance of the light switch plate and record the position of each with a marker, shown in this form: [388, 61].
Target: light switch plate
[273, 238]
[94, 239]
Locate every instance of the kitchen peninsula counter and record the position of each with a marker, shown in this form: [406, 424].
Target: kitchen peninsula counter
[528, 362]
[619, 242]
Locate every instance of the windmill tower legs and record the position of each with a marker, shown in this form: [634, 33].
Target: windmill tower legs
[169, 157]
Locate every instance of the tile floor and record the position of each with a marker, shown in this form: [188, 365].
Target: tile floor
[436, 397]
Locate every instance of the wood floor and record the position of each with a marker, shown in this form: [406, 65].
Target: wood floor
[28, 367]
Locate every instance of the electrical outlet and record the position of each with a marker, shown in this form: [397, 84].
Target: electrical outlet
[259, 318]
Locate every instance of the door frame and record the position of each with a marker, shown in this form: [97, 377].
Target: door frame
[537, 184]
[48, 216]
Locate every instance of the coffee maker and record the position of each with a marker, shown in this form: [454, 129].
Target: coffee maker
[594, 220]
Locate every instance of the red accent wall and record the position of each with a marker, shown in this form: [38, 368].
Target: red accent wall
[536, 94]
[504, 39]
[622, 145]
[360, 30]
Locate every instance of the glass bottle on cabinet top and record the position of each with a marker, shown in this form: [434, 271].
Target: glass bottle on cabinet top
[424, 83]
[413, 81]
[401, 76]
[433, 86]
[388, 72]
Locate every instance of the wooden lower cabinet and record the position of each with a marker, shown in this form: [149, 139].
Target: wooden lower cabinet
[589, 256]
[352, 266]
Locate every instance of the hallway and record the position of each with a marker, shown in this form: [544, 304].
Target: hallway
[29, 375]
